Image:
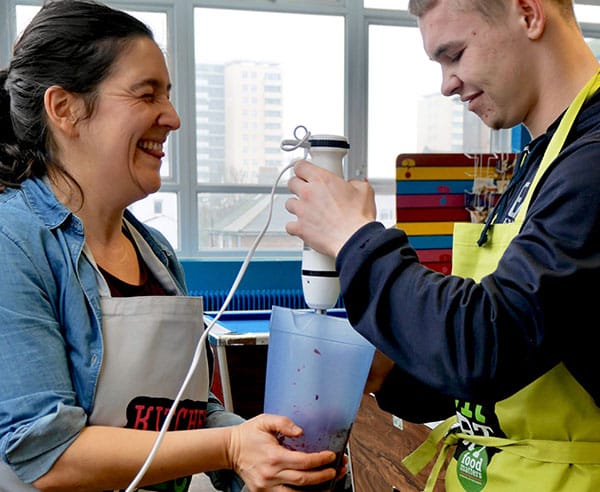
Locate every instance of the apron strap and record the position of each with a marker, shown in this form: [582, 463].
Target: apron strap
[420, 457]
[546, 451]
[554, 147]
[558, 139]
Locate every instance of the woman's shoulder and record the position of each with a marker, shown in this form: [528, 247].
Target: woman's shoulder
[15, 211]
[30, 211]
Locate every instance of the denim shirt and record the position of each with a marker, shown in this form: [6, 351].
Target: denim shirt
[50, 325]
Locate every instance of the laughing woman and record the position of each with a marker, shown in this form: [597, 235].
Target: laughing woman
[95, 323]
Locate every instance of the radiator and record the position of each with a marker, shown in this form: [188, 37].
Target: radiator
[254, 299]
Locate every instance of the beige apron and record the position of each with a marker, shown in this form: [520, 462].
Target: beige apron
[552, 426]
[149, 343]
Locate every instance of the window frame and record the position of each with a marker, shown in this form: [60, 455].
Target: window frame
[180, 13]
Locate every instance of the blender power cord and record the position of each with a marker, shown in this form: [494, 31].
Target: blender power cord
[286, 145]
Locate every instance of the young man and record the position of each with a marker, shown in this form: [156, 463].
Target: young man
[505, 343]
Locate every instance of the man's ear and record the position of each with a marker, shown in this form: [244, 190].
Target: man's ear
[62, 109]
[533, 17]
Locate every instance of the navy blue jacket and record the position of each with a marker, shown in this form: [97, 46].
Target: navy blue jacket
[451, 337]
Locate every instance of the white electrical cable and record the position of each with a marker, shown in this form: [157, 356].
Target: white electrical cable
[285, 145]
[289, 145]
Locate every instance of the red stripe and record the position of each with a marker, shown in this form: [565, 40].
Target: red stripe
[432, 215]
[429, 201]
[449, 159]
[445, 268]
[435, 255]
[430, 160]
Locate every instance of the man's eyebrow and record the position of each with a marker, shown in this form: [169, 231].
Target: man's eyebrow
[155, 83]
[442, 50]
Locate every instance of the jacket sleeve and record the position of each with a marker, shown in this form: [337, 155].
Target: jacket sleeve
[484, 341]
[405, 397]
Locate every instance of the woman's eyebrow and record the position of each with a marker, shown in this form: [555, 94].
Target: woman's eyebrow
[155, 83]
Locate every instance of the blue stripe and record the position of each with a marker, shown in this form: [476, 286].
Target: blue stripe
[430, 242]
[432, 187]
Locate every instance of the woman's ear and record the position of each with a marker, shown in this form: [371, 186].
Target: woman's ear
[533, 17]
[62, 109]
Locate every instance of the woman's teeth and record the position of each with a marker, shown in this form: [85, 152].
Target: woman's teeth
[150, 145]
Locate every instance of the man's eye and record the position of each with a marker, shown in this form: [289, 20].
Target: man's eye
[456, 56]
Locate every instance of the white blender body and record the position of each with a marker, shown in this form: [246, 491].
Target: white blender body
[320, 281]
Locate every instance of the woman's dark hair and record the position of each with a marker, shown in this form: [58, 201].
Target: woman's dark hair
[69, 43]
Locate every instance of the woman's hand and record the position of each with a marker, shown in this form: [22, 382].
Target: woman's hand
[328, 208]
[256, 454]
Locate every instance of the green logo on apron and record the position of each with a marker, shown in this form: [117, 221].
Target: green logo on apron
[472, 468]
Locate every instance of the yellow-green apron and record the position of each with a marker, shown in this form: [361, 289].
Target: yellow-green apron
[552, 426]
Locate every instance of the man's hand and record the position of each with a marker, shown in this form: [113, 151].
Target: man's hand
[328, 208]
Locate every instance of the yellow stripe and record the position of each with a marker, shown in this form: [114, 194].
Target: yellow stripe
[426, 228]
[443, 173]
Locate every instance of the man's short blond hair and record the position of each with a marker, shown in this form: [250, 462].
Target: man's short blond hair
[491, 9]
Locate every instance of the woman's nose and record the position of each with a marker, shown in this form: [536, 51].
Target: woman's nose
[169, 117]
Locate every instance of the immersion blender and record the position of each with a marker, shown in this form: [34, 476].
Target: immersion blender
[320, 281]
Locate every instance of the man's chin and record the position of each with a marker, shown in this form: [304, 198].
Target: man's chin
[491, 121]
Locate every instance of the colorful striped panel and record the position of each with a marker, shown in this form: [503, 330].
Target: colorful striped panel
[430, 198]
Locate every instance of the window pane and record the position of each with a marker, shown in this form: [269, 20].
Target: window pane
[587, 13]
[258, 76]
[160, 210]
[387, 4]
[594, 44]
[233, 222]
[407, 112]
[157, 22]
[24, 15]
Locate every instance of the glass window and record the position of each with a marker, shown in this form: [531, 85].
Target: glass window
[387, 4]
[294, 79]
[24, 14]
[160, 210]
[408, 113]
[398, 87]
[590, 14]
[587, 13]
[232, 221]
[270, 77]
[257, 74]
